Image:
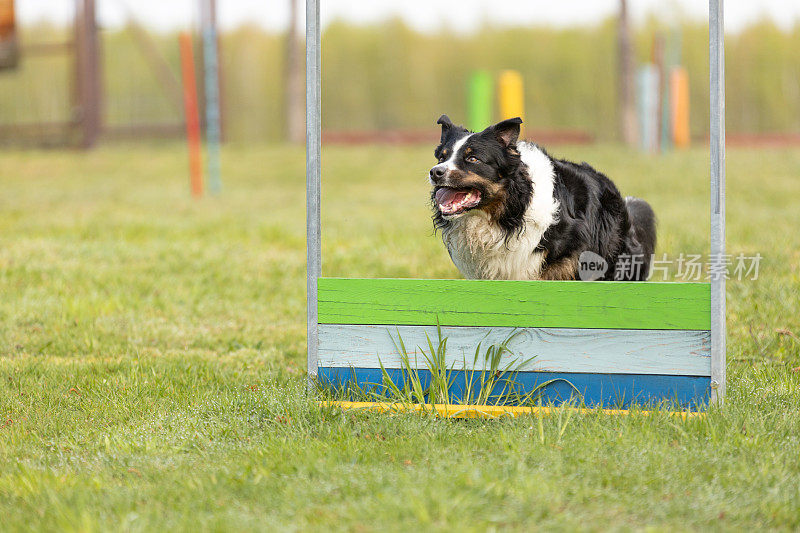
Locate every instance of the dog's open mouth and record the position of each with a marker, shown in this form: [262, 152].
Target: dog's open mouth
[455, 201]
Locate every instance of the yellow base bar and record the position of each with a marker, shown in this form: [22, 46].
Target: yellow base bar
[484, 411]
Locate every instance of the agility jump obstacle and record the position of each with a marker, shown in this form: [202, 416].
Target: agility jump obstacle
[608, 344]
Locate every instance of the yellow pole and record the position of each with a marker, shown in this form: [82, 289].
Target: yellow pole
[512, 95]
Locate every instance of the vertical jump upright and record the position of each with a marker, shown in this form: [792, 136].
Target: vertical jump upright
[716, 61]
[313, 178]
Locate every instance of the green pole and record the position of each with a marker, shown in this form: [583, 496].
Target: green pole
[480, 97]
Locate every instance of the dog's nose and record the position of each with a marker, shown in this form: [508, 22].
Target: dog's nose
[438, 172]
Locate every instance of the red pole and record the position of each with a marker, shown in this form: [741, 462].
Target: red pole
[192, 115]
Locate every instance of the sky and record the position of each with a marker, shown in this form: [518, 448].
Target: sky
[425, 15]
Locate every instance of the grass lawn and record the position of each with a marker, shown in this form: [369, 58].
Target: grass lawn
[152, 352]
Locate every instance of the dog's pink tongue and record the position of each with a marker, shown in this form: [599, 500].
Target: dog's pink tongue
[447, 196]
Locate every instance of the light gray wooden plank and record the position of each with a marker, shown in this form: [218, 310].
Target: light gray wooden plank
[607, 351]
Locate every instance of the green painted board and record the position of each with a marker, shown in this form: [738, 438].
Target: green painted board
[539, 304]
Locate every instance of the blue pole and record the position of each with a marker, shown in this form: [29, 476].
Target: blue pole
[212, 98]
[647, 88]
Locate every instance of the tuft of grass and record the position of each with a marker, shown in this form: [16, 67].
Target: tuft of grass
[480, 386]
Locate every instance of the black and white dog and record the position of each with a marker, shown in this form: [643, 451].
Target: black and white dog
[508, 210]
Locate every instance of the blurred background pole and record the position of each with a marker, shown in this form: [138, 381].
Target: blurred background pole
[662, 119]
[670, 61]
[192, 115]
[679, 101]
[9, 45]
[512, 96]
[648, 103]
[89, 93]
[480, 100]
[208, 16]
[295, 105]
[625, 66]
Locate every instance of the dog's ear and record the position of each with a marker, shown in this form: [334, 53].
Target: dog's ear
[507, 131]
[446, 123]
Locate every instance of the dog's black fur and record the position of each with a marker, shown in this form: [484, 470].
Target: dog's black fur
[592, 215]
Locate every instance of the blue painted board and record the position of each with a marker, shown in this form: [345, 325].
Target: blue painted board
[595, 390]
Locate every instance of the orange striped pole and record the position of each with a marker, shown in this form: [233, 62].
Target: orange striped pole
[192, 115]
[679, 99]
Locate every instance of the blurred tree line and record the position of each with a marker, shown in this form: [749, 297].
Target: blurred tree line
[390, 76]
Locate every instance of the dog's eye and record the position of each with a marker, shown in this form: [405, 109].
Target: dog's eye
[472, 159]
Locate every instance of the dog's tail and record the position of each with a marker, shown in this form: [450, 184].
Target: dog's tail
[642, 237]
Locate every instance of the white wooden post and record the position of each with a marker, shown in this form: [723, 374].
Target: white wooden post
[717, 69]
[313, 177]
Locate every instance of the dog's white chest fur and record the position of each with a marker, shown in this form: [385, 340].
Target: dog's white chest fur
[478, 246]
